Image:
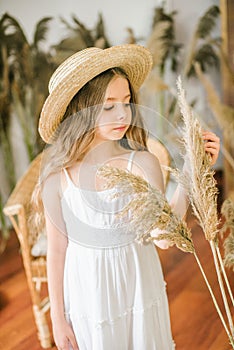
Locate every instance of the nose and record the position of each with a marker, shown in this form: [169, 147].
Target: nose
[121, 112]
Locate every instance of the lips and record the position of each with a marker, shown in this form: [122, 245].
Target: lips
[120, 128]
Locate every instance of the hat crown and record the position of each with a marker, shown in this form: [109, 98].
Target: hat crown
[70, 64]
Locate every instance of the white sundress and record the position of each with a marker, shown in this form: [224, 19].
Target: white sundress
[114, 291]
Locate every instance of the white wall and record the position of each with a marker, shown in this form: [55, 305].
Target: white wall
[117, 15]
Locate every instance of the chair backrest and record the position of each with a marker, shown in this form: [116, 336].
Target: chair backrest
[19, 203]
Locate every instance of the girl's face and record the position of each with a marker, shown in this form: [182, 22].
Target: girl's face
[115, 116]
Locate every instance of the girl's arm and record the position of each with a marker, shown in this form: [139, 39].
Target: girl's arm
[56, 252]
[147, 165]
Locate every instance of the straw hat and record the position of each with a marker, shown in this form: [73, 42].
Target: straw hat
[80, 68]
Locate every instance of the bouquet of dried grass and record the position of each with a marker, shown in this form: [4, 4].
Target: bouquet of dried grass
[150, 209]
[202, 192]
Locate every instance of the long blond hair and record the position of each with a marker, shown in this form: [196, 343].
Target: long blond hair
[77, 129]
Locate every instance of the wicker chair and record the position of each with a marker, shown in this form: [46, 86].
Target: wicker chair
[17, 208]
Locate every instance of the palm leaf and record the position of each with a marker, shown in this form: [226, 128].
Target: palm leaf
[8, 159]
[86, 33]
[171, 47]
[161, 15]
[201, 45]
[4, 94]
[206, 56]
[79, 37]
[99, 32]
[157, 42]
[67, 47]
[13, 32]
[41, 31]
[66, 23]
[207, 22]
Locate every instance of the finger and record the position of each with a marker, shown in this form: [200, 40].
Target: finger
[211, 136]
[211, 150]
[63, 346]
[213, 145]
[73, 342]
[213, 156]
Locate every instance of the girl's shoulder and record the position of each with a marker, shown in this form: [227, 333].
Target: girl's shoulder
[52, 185]
[146, 158]
[141, 158]
[146, 165]
[53, 178]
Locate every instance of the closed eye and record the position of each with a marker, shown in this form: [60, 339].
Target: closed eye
[108, 108]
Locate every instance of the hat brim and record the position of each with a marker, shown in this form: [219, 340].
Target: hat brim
[135, 60]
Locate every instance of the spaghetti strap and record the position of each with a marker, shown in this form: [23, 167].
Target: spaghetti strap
[67, 176]
[130, 160]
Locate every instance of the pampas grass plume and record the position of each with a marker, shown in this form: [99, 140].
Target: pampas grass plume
[149, 209]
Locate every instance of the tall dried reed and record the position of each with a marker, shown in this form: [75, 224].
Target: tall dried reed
[202, 190]
[200, 184]
[228, 212]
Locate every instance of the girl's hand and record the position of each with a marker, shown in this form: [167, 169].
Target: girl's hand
[64, 336]
[163, 243]
[212, 145]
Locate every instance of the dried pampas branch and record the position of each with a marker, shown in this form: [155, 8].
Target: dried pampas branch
[149, 209]
[202, 190]
[228, 212]
[201, 185]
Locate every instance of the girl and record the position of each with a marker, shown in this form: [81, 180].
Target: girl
[106, 290]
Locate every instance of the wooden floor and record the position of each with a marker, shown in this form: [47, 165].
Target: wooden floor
[195, 323]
